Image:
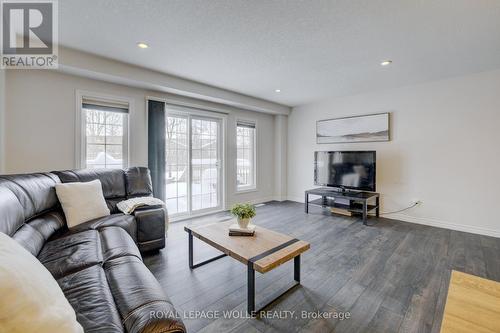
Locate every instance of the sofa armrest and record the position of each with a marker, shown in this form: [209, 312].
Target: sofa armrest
[140, 299]
[151, 228]
[155, 317]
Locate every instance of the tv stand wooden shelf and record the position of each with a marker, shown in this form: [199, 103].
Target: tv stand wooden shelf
[359, 202]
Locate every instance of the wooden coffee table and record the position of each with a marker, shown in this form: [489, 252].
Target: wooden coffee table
[472, 305]
[264, 251]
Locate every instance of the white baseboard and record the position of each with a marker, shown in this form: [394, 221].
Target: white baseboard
[296, 199]
[259, 200]
[262, 200]
[444, 224]
[431, 222]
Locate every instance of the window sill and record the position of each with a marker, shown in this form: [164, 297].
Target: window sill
[246, 190]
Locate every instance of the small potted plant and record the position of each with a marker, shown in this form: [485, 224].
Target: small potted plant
[244, 212]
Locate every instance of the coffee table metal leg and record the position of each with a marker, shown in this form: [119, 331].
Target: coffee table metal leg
[250, 289]
[190, 245]
[190, 237]
[251, 286]
[306, 203]
[296, 268]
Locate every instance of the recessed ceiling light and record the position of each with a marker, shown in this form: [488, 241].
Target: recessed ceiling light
[142, 45]
[386, 62]
[278, 90]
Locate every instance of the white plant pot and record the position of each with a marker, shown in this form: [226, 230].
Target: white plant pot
[243, 223]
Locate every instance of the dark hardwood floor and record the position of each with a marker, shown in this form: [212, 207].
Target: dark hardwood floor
[391, 277]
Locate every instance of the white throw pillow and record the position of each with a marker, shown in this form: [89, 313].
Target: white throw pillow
[82, 202]
[31, 300]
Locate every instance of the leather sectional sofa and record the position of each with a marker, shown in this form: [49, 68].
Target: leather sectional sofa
[98, 264]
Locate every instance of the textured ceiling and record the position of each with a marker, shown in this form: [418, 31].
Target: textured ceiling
[309, 49]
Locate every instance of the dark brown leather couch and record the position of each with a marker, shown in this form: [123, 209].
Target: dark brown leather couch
[98, 264]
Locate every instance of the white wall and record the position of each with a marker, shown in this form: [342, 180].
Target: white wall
[40, 133]
[444, 150]
[2, 121]
[100, 68]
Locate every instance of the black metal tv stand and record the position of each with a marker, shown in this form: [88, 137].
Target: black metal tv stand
[358, 202]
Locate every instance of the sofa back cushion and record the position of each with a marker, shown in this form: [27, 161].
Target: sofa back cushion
[29, 204]
[112, 180]
[138, 182]
[33, 234]
[24, 197]
[11, 210]
[117, 184]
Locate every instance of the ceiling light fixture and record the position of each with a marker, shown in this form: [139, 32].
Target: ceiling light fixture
[142, 45]
[386, 62]
[278, 90]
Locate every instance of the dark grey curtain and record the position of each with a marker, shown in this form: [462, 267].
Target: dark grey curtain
[156, 146]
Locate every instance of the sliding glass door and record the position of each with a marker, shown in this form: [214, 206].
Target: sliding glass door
[194, 160]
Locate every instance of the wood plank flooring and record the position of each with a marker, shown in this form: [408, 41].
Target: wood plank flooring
[391, 277]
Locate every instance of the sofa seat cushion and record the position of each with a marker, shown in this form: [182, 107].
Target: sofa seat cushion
[116, 242]
[72, 253]
[89, 294]
[126, 222]
[30, 298]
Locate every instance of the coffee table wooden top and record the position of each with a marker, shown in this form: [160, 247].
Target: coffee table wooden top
[472, 305]
[243, 248]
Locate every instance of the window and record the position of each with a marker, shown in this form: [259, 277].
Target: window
[105, 129]
[245, 156]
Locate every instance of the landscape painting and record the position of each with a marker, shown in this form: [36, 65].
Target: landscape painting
[367, 128]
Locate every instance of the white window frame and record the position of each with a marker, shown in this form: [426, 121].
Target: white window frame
[80, 125]
[254, 187]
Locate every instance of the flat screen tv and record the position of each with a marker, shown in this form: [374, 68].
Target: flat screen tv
[354, 170]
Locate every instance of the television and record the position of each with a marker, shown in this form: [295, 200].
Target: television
[355, 170]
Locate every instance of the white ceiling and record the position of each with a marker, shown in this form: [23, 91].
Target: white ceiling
[311, 49]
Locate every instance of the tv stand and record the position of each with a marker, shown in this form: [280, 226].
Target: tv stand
[358, 202]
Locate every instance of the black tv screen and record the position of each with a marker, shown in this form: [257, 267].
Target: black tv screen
[345, 169]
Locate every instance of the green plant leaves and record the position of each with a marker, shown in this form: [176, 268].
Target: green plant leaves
[243, 210]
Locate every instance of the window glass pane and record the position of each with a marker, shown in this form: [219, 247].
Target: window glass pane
[113, 118]
[95, 154]
[114, 134]
[114, 166]
[177, 164]
[95, 117]
[114, 154]
[96, 133]
[245, 163]
[96, 166]
[104, 132]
